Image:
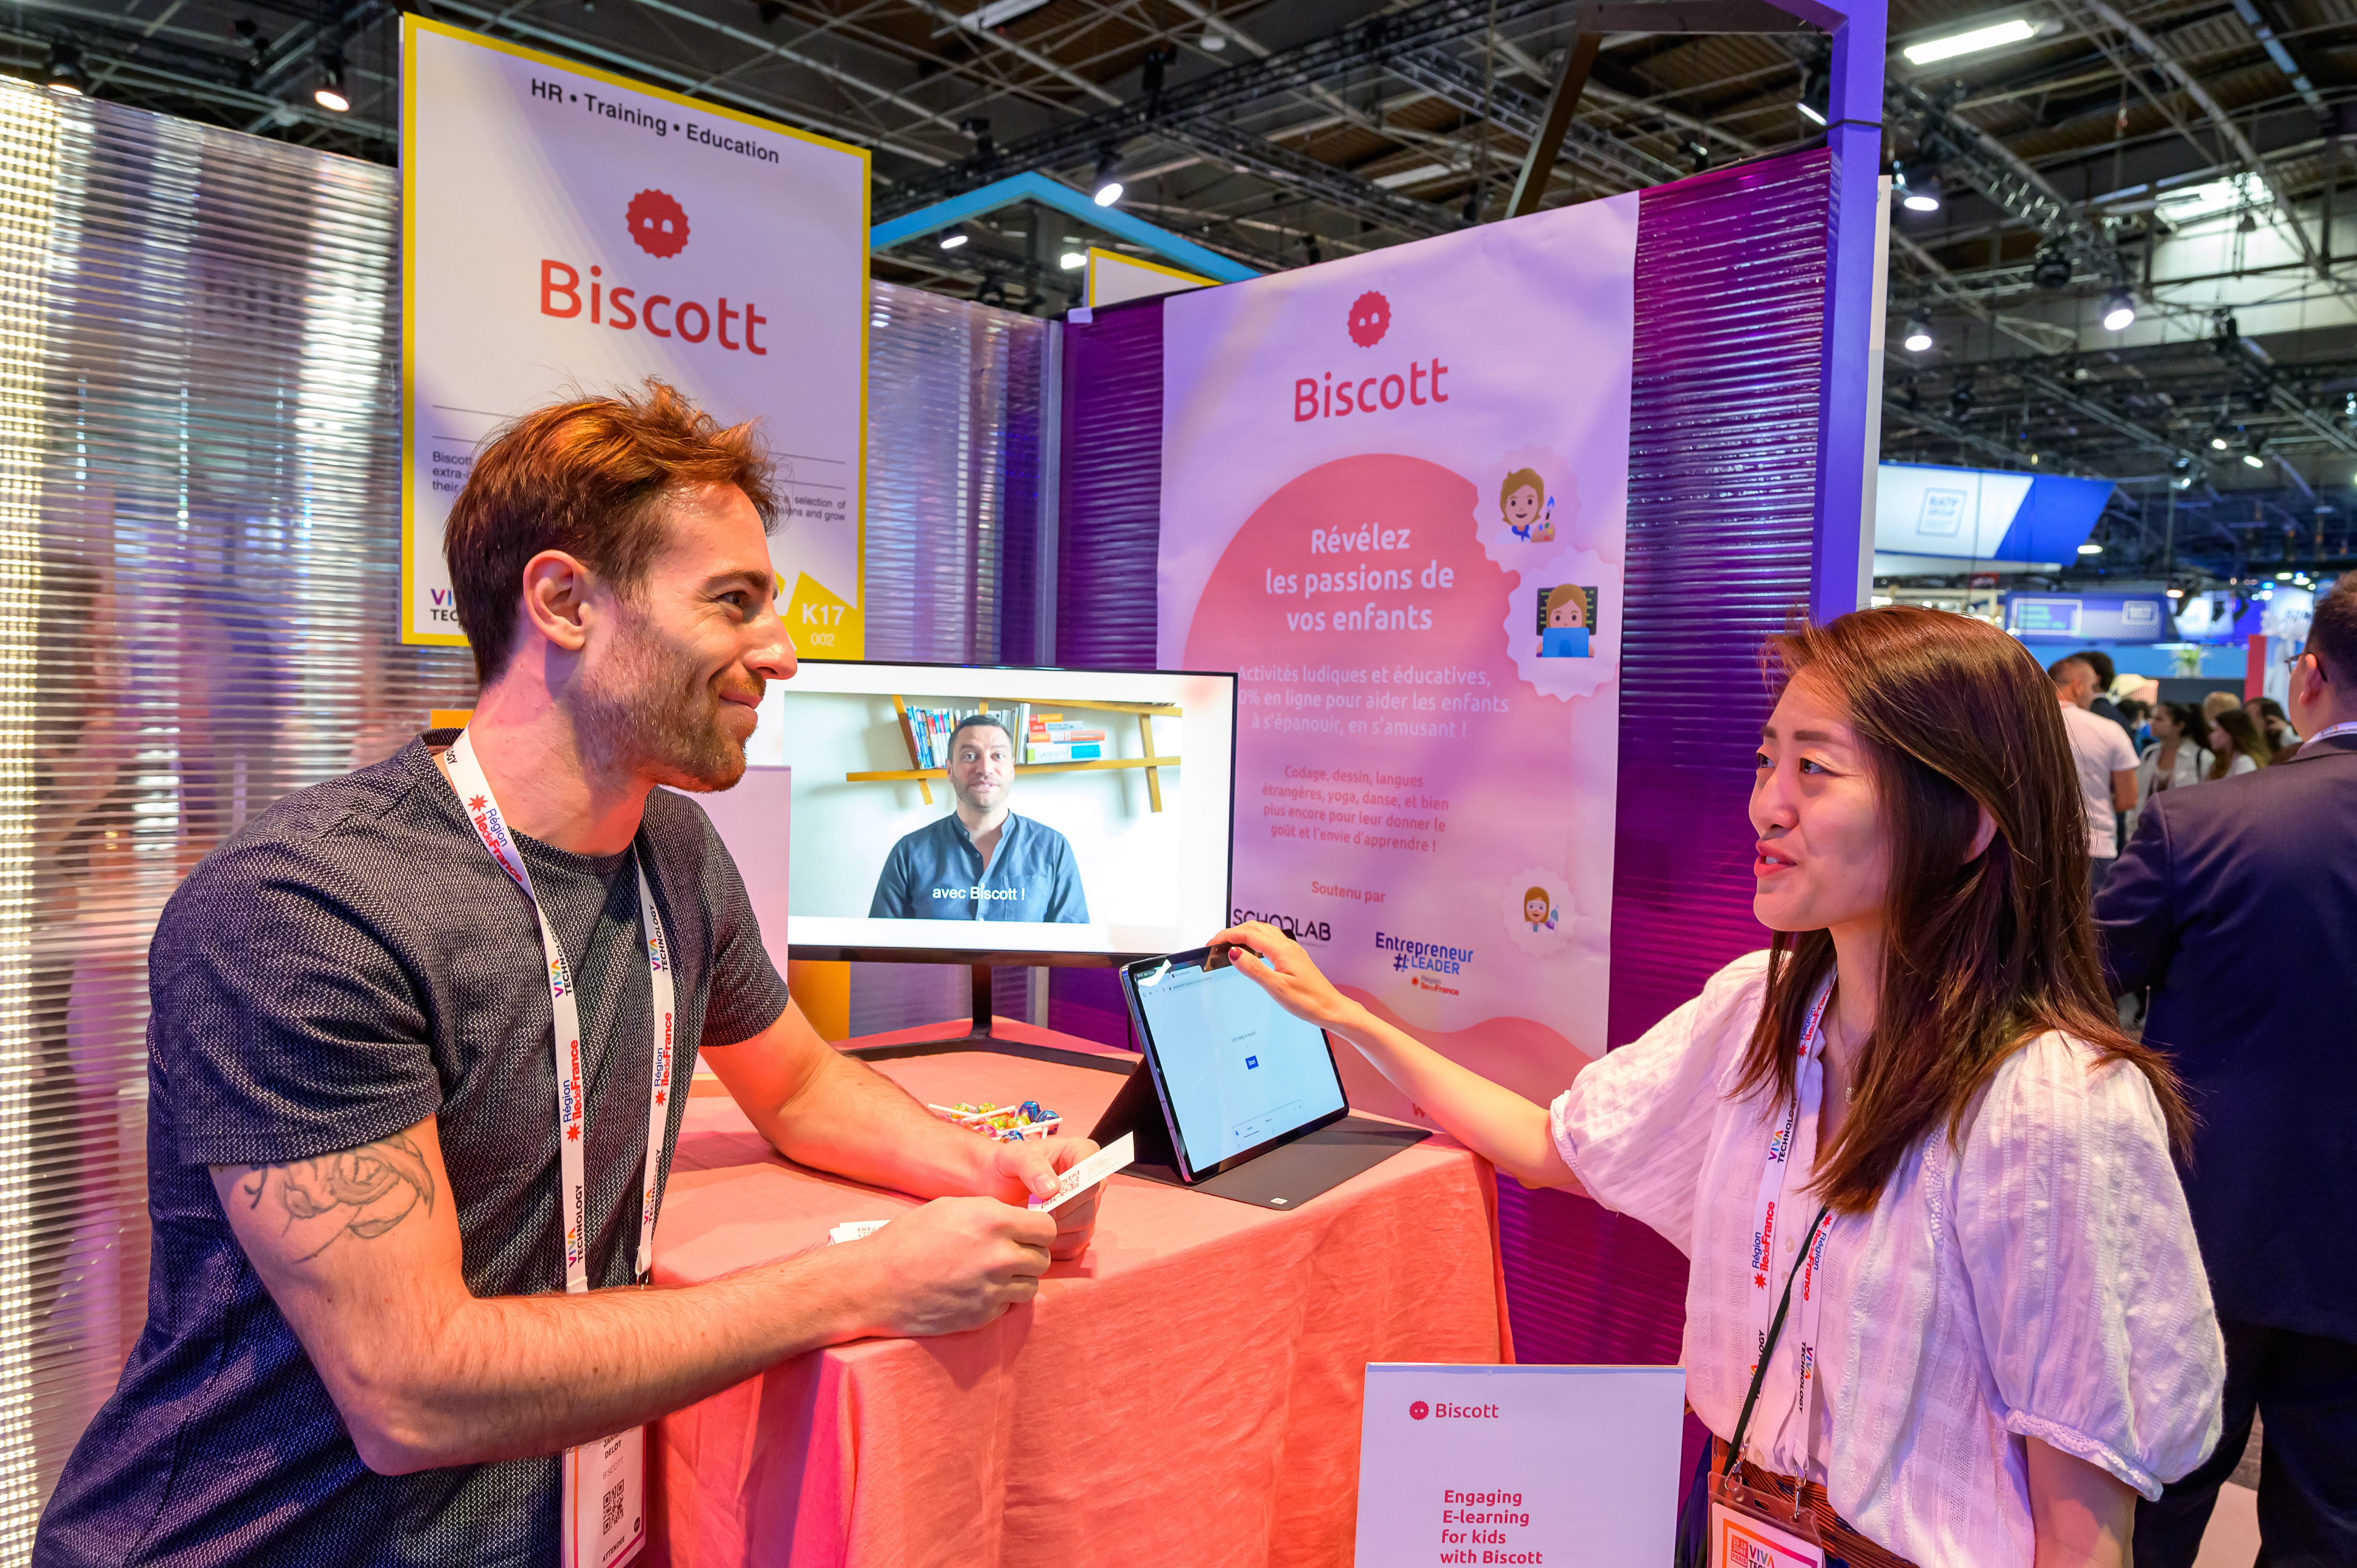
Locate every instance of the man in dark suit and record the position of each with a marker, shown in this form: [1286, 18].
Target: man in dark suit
[2236, 906]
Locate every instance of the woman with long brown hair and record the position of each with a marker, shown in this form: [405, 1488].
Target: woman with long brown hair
[2005, 1326]
[2239, 745]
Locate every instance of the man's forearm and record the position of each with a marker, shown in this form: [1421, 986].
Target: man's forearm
[853, 1121]
[515, 1376]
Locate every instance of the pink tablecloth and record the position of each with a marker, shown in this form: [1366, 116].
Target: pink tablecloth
[1186, 1392]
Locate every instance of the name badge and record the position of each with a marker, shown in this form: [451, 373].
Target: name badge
[605, 1501]
[1744, 1534]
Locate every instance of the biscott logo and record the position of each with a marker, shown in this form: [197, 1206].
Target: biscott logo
[1419, 1409]
[1371, 318]
[658, 223]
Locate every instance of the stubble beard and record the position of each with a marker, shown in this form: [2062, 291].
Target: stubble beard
[654, 710]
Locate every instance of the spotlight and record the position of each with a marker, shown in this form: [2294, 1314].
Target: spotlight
[2253, 460]
[2119, 311]
[1920, 192]
[2051, 270]
[1697, 156]
[1919, 333]
[1108, 187]
[1960, 404]
[329, 94]
[2176, 593]
[2091, 548]
[63, 72]
[953, 239]
[1072, 261]
[2283, 576]
[2218, 443]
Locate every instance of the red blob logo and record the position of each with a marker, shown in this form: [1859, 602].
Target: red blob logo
[1371, 318]
[658, 223]
[1419, 1409]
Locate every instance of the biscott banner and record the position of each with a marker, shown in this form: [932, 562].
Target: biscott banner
[564, 231]
[1394, 498]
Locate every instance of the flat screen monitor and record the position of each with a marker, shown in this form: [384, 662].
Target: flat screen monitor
[1104, 799]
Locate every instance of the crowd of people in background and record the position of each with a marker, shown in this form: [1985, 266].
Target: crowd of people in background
[2226, 914]
[2172, 746]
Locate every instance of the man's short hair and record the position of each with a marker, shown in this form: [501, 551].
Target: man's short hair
[2101, 663]
[588, 477]
[2060, 669]
[2332, 633]
[973, 721]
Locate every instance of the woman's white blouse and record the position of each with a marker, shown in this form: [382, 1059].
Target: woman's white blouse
[2040, 1279]
[2242, 765]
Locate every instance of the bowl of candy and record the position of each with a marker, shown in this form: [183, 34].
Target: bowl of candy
[1006, 1123]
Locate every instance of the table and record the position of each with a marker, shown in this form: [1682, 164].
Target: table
[1186, 1391]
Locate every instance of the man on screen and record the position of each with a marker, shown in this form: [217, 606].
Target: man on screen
[982, 862]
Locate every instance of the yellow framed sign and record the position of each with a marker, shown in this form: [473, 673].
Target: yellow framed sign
[566, 231]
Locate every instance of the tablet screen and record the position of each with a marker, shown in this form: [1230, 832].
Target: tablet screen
[1239, 1071]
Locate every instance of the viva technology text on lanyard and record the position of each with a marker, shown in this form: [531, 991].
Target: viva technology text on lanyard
[1748, 1531]
[604, 1481]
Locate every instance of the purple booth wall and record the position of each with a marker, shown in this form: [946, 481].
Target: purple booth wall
[1723, 434]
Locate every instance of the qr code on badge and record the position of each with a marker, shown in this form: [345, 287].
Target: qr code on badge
[610, 1512]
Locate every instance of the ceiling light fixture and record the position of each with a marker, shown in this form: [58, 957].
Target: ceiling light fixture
[2017, 30]
[2253, 460]
[1919, 333]
[2119, 311]
[63, 72]
[1072, 261]
[330, 94]
[953, 239]
[2091, 548]
[1108, 187]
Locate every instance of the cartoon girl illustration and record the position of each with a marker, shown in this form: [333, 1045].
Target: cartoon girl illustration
[1564, 622]
[1528, 509]
[1539, 910]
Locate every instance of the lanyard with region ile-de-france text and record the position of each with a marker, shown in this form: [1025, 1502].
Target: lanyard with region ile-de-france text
[604, 1482]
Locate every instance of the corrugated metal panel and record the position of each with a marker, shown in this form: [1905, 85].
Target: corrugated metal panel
[1112, 488]
[198, 496]
[953, 478]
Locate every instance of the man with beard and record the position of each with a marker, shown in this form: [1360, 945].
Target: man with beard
[416, 1037]
[982, 862]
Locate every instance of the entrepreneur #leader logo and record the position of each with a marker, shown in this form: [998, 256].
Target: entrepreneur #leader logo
[1423, 958]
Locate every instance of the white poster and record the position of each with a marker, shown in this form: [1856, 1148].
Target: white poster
[566, 231]
[1520, 1465]
[1394, 496]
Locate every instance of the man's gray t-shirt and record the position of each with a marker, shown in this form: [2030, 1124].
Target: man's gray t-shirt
[352, 962]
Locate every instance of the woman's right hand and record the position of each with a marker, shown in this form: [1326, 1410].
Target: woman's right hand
[1274, 962]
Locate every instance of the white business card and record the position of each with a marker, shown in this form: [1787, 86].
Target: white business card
[1091, 1171]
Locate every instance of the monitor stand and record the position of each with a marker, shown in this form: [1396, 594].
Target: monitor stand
[978, 1037]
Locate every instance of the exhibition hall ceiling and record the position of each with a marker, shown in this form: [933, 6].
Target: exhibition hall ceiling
[2185, 154]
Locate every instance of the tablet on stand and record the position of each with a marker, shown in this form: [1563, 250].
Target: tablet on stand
[1235, 1096]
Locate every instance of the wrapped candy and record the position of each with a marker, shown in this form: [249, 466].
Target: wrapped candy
[1008, 1124]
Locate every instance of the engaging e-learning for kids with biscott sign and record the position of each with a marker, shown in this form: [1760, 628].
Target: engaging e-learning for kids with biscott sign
[1404, 484]
[1576, 1466]
[568, 232]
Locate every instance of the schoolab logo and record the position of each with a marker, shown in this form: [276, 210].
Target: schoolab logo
[658, 223]
[1309, 933]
